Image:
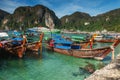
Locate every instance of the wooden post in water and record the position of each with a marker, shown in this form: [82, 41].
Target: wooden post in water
[41, 51]
[113, 53]
[41, 38]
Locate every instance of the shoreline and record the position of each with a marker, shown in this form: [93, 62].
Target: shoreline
[109, 72]
[85, 32]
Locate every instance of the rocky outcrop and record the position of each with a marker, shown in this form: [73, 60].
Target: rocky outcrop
[109, 72]
[75, 17]
[2, 15]
[49, 21]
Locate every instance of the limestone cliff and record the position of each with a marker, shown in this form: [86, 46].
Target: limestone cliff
[27, 16]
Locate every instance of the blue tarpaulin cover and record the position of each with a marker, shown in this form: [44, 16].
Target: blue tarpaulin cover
[16, 41]
[62, 47]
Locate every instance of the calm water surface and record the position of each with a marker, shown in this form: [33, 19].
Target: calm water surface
[52, 66]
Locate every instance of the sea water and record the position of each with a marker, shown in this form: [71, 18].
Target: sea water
[52, 66]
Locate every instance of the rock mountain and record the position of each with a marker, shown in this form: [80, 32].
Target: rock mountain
[3, 14]
[107, 21]
[39, 15]
[26, 16]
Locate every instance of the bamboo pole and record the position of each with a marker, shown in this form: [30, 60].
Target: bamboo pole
[113, 53]
[41, 51]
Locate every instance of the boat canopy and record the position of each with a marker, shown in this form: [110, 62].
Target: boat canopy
[78, 37]
[63, 47]
[62, 41]
[16, 33]
[17, 39]
[59, 40]
[3, 34]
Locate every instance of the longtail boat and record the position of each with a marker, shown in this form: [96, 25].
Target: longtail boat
[34, 47]
[77, 51]
[14, 50]
[105, 40]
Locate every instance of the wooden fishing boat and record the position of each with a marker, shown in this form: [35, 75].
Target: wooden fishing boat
[22, 48]
[35, 47]
[98, 37]
[78, 51]
[105, 40]
[17, 50]
[3, 34]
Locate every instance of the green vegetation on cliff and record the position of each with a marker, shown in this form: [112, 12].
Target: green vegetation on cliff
[109, 21]
[3, 14]
[26, 17]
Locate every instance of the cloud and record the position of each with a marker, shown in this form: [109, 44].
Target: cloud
[63, 7]
[44, 2]
[87, 6]
[10, 5]
[67, 9]
[91, 7]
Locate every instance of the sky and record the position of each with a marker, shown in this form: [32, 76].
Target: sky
[64, 7]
